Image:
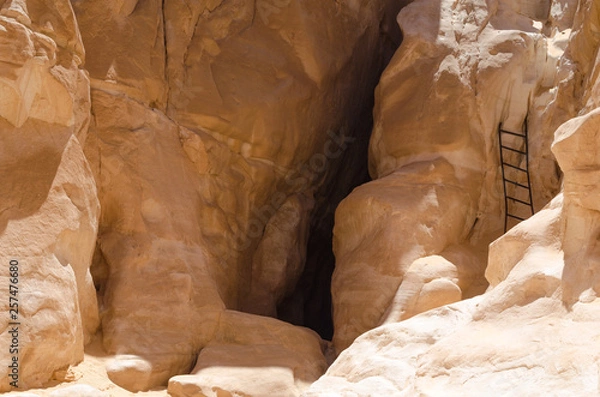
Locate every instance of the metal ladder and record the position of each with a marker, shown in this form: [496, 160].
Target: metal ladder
[514, 158]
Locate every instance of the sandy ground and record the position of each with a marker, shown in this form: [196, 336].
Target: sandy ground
[91, 371]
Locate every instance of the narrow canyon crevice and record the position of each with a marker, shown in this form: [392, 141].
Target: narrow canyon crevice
[309, 304]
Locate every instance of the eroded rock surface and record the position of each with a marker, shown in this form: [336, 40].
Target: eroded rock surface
[48, 204]
[269, 358]
[463, 69]
[208, 149]
[209, 130]
[166, 166]
[532, 331]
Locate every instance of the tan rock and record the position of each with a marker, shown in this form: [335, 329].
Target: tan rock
[218, 131]
[268, 358]
[214, 125]
[533, 331]
[48, 206]
[428, 283]
[159, 300]
[519, 337]
[576, 149]
[280, 256]
[125, 49]
[429, 217]
[462, 69]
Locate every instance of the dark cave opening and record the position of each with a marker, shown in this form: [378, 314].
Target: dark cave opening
[310, 303]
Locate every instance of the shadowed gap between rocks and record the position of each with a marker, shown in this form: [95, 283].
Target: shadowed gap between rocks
[309, 304]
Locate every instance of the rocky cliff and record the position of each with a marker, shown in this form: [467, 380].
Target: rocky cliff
[196, 196]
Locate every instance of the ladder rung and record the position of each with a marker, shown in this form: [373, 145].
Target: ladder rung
[513, 133]
[513, 150]
[517, 184]
[515, 167]
[516, 217]
[518, 200]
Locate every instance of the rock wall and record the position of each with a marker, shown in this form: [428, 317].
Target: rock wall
[463, 69]
[169, 170]
[208, 148]
[210, 132]
[532, 331]
[48, 207]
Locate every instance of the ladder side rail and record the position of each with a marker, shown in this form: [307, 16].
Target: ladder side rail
[527, 166]
[503, 179]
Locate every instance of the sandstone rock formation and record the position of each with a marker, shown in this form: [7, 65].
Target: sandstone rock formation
[532, 332]
[463, 69]
[48, 208]
[211, 131]
[268, 358]
[208, 148]
[169, 171]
